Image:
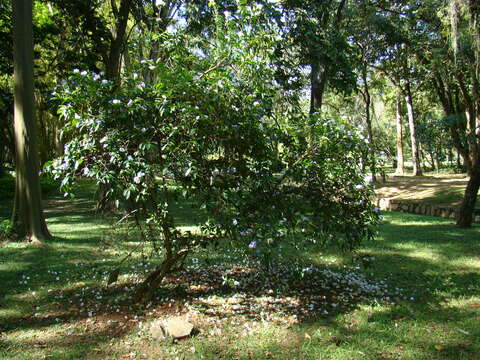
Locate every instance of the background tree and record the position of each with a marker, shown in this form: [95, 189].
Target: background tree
[400, 169]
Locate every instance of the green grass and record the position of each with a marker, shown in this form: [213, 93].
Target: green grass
[46, 294]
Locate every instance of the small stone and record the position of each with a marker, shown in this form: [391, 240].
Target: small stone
[176, 328]
[156, 330]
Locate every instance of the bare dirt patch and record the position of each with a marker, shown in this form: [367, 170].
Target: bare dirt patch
[436, 189]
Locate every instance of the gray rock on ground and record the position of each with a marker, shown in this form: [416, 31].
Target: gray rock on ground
[174, 327]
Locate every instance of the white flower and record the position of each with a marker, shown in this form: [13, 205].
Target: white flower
[104, 81]
[116, 101]
[84, 72]
[76, 71]
[138, 178]
[234, 222]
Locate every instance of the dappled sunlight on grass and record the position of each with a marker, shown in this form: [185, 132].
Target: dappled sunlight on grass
[417, 299]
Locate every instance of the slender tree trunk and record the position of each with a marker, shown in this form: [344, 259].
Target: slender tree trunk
[29, 215]
[400, 159]
[467, 209]
[318, 82]
[432, 161]
[417, 169]
[438, 162]
[368, 121]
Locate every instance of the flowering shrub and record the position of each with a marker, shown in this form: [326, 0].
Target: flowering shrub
[209, 133]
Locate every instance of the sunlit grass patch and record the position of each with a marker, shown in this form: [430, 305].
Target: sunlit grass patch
[416, 298]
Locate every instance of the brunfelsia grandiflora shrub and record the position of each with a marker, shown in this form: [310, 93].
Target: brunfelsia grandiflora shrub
[210, 133]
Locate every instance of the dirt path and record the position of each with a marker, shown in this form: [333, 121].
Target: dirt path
[436, 189]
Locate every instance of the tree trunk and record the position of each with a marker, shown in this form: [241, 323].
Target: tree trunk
[170, 264]
[417, 169]
[432, 160]
[319, 77]
[400, 159]
[29, 216]
[112, 67]
[368, 121]
[467, 209]
[438, 162]
[318, 81]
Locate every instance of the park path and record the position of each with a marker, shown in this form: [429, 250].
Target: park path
[436, 189]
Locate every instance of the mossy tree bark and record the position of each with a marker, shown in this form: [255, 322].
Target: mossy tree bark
[28, 213]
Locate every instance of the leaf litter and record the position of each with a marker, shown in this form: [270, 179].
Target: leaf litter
[240, 298]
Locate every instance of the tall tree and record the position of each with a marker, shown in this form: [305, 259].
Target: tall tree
[383, 39]
[367, 98]
[417, 168]
[469, 10]
[398, 122]
[118, 38]
[27, 212]
[322, 67]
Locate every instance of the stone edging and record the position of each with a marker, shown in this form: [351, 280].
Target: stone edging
[446, 212]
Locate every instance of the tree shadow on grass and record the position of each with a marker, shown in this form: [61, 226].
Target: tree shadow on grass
[264, 296]
[430, 278]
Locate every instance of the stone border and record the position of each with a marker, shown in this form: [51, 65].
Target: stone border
[446, 212]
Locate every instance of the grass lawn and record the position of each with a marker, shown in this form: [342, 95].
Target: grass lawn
[419, 299]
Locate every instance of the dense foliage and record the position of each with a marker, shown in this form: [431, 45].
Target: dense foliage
[209, 131]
